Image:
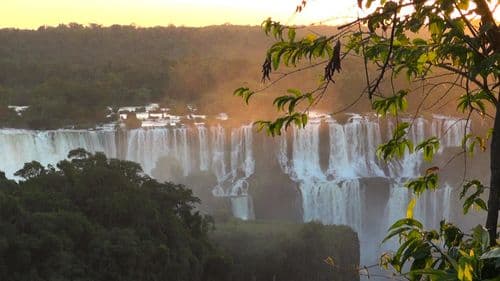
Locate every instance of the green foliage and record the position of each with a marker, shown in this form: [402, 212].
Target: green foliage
[474, 199]
[275, 128]
[291, 52]
[471, 141]
[475, 101]
[31, 170]
[429, 148]
[245, 93]
[292, 100]
[262, 250]
[424, 183]
[397, 145]
[444, 254]
[95, 218]
[392, 105]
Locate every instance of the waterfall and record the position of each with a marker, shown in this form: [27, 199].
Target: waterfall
[282, 153]
[434, 206]
[450, 131]
[338, 162]
[333, 194]
[233, 183]
[147, 146]
[242, 208]
[242, 167]
[48, 147]
[305, 159]
[218, 158]
[353, 148]
[333, 202]
[204, 152]
[182, 149]
[363, 138]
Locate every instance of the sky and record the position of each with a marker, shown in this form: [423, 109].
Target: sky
[33, 13]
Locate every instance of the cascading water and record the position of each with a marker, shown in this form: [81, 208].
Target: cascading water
[147, 146]
[233, 183]
[204, 152]
[332, 194]
[333, 202]
[330, 200]
[338, 162]
[242, 167]
[218, 158]
[48, 147]
[363, 136]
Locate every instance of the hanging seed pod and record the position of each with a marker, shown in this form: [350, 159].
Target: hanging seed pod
[266, 69]
[334, 63]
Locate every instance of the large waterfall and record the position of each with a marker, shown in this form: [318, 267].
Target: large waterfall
[333, 164]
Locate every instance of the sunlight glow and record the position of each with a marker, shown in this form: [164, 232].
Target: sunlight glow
[34, 13]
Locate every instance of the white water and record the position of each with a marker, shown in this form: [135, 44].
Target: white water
[335, 196]
[332, 194]
[204, 152]
[20, 146]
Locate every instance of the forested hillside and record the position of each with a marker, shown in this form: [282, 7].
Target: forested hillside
[70, 73]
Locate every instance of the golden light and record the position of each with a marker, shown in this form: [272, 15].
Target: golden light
[34, 13]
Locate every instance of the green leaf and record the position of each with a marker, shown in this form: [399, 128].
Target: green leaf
[304, 119]
[421, 184]
[393, 105]
[397, 145]
[429, 148]
[493, 253]
[291, 34]
[474, 198]
[406, 222]
[481, 237]
[295, 92]
[245, 93]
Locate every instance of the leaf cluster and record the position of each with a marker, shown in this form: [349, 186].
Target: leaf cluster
[444, 254]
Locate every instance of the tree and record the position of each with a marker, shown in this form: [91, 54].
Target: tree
[94, 218]
[455, 40]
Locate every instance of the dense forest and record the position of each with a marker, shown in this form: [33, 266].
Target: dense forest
[70, 74]
[93, 218]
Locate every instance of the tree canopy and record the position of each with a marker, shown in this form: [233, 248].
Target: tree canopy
[94, 218]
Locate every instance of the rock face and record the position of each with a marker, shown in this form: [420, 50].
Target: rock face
[327, 172]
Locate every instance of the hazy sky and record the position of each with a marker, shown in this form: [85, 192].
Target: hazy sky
[33, 13]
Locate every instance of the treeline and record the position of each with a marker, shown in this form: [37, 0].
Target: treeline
[68, 74]
[99, 219]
